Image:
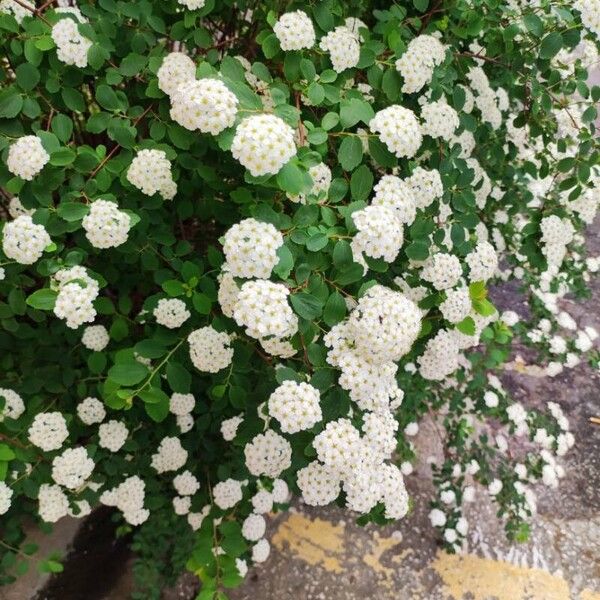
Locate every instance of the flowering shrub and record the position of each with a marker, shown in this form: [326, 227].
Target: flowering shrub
[246, 248]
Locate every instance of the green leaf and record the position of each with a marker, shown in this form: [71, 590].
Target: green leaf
[6, 453]
[128, 373]
[306, 305]
[62, 157]
[484, 307]
[11, 104]
[335, 309]
[292, 179]
[350, 153]
[323, 16]
[43, 299]
[467, 326]
[286, 262]
[178, 378]
[421, 5]
[72, 211]
[551, 45]
[132, 64]
[361, 183]
[317, 242]
[342, 254]
[418, 250]
[159, 410]
[28, 76]
[62, 127]
[354, 110]
[202, 303]
[107, 98]
[534, 24]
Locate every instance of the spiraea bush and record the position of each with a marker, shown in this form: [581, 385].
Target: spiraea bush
[246, 249]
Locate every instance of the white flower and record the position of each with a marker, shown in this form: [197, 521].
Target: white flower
[295, 406]
[71, 46]
[399, 129]
[398, 195]
[210, 349]
[343, 47]
[319, 484]
[260, 551]
[186, 484]
[171, 312]
[450, 535]
[250, 248]
[71, 468]
[491, 399]
[482, 261]
[416, 65]
[95, 337]
[229, 427]
[263, 144]
[176, 68]
[509, 318]
[457, 305]
[437, 518]
[150, 172]
[181, 404]
[280, 491]
[105, 225]
[227, 493]
[48, 431]
[263, 309]
[440, 120]
[295, 31]
[18, 11]
[379, 232]
[6, 494]
[192, 4]
[182, 506]
[53, 503]
[205, 104]
[442, 270]
[91, 411]
[268, 454]
[112, 435]
[13, 407]
[24, 241]
[590, 14]
[262, 502]
[170, 456]
[27, 157]
[76, 294]
[495, 487]
[254, 527]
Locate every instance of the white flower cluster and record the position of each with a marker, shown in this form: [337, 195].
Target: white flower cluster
[205, 104]
[263, 144]
[24, 241]
[16, 209]
[176, 68]
[210, 349]
[486, 100]
[186, 484]
[150, 172]
[112, 435]
[440, 357]
[71, 468]
[181, 404]
[76, 294]
[228, 493]
[95, 337]
[457, 305]
[379, 233]
[71, 46]
[398, 129]
[13, 407]
[128, 497]
[5, 497]
[254, 527]
[343, 47]
[416, 65]
[295, 31]
[171, 312]
[229, 427]
[380, 330]
[296, 406]
[426, 186]
[440, 120]
[18, 11]
[105, 225]
[48, 431]
[250, 248]
[442, 270]
[590, 14]
[192, 4]
[268, 454]
[171, 455]
[53, 503]
[27, 157]
[482, 261]
[91, 410]
[357, 464]
[394, 193]
[556, 234]
[262, 308]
